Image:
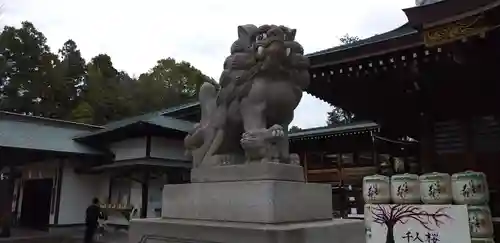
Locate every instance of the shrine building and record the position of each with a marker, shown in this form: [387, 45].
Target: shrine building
[433, 79]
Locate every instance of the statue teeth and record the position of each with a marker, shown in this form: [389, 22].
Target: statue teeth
[288, 51]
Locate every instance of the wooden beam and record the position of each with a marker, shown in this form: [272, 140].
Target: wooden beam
[145, 194]
[306, 170]
[374, 152]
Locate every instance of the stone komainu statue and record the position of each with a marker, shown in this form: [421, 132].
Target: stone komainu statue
[260, 87]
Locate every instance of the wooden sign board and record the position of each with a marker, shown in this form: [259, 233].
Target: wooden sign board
[405, 223]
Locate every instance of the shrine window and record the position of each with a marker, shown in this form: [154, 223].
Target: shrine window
[347, 160]
[317, 161]
[449, 137]
[486, 134]
[365, 159]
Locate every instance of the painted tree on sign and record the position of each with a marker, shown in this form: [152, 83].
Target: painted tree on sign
[401, 213]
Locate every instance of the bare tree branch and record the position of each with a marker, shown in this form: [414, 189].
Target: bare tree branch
[403, 213]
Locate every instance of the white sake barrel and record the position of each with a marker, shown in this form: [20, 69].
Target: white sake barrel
[405, 189]
[480, 224]
[470, 187]
[435, 188]
[376, 189]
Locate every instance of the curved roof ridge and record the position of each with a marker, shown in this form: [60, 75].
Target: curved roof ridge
[50, 120]
[400, 31]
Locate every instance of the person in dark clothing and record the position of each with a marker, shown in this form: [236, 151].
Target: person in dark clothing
[92, 215]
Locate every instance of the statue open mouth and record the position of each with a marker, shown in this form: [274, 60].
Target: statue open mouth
[274, 48]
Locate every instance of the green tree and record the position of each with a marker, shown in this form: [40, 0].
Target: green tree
[348, 39]
[103, 92]
[35, 81]
[294, 129]
[339, 116]
[72, 68]
[83, 113]
[168, 83]
[27, 82]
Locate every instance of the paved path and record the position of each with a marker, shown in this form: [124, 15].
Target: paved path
[115, 237]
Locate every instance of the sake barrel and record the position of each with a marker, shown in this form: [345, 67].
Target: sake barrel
[470, 187]
[405, 189]
[376, 189]
[480, 224]
[435, 188]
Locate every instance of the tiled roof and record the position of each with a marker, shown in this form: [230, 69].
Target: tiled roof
[36, 133]
[147, 116]
[320, 132]
[403, 30]
[171, 123]
[157, 120]
[174, 109]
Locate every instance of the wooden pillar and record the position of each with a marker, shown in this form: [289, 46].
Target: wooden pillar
[145, 194]
[343, 192]
[374, 152]
[7, 185]
[427, 163]
[306, 169]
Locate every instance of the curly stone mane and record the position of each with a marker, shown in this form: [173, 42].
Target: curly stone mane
[248, 59]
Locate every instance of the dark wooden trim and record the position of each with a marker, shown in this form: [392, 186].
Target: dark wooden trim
[148, 146]
[18, 196]
[305, 167]
[145, 194]
[128, 160]
[152, 158]
[65, 225]
[139, 163]
[60, 173]
[404, 42]
[110, 188]
[447, 11]
[374, 152]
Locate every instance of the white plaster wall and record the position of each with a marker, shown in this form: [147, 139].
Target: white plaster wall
[133, 148]
[155, 197]
[103, 187]
[168, 149]
[77, 192]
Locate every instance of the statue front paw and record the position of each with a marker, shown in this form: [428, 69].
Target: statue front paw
[294, 159]
[254, 144]
[276, 132]
[261, 144]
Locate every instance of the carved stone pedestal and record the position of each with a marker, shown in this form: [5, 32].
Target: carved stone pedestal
[199, 231]
[272, 204]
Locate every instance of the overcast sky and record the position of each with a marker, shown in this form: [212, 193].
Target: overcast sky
[138, 33]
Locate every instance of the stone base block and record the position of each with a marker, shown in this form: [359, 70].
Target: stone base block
[196, 231]
[248, 201]
[248, 172]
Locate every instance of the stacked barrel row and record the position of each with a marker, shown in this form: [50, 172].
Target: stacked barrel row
[466, 188]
